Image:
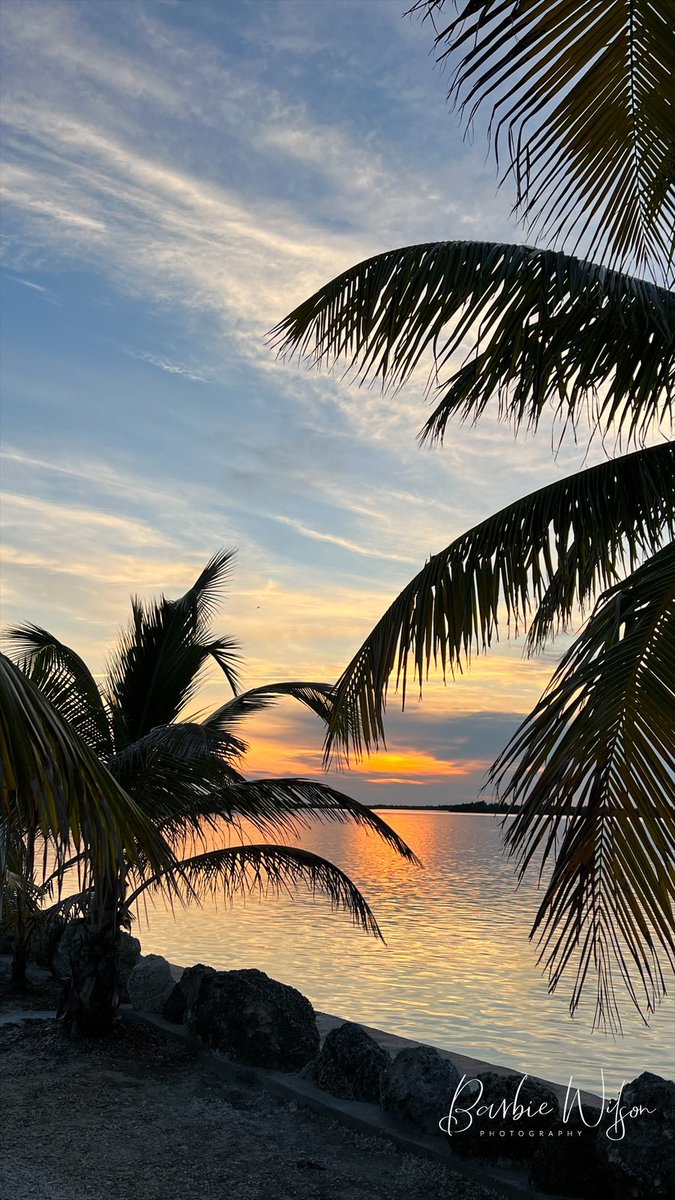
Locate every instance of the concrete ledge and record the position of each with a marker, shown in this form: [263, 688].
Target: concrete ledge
[367, 1119]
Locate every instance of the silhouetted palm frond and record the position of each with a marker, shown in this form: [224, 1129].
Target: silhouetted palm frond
[53, 782]
[315, 696]
[65, 679]
[579, 771]
[289, 804]
[580, 102]
[546, 331]
[156, 668]
[544, 554]
[181, 775]
[247, 870]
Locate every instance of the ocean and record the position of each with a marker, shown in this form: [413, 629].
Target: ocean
[457, 970]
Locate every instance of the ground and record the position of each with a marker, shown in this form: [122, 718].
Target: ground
[140, 1117]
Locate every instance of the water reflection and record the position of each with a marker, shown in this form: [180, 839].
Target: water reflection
[457, 969]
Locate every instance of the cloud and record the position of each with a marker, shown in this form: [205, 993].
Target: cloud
[36, 287]
[397, 781]
[333, 540]
[96, 197]
[407, 761]
[27, 510]
[166, 364]
[213, 188]
[177, 233]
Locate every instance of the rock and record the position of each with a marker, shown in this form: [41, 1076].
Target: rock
[44, 948]
[255, 1020]
[419, 1086]
[65, 939]
[642, 1161]
[174, 1008]
[350, 1064]
[61, 954]
[150, 984]
[185, 993]
[509, 1130]
[566, 1162]
[128, 955]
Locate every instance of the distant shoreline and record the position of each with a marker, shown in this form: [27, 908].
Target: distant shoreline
[477, 806]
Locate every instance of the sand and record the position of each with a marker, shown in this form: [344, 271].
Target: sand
[142, 1117]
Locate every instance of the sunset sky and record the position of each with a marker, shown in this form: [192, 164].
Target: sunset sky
[177, 176]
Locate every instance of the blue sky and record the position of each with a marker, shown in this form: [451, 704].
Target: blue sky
[177, 176]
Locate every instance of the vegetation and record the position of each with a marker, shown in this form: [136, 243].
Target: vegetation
[181, 774]
[471, 806]
[579, 98]
[54, 789]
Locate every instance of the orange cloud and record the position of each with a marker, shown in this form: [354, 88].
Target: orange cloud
[409, 782]
[270, 756]
[413, 762]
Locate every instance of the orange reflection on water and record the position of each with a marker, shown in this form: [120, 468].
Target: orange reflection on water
[457, 969]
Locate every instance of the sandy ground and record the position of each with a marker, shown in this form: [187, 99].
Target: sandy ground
[140, 1117]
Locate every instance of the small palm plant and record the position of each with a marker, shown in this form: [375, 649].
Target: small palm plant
[55, 791]
[183, 774]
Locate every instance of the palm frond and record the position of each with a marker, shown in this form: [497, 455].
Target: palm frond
[65, 679]
[265, 870]
[179, 775]
[591, 776]
[21, 909]
[579, 95]
[226, 653]
[206, 594]
[287, 804]
[155, 670]
[315, 696]
[547, 553]
[71, 908]
[52, 781]
[547, 331]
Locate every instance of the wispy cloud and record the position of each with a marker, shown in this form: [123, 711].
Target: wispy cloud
[208, 183]
[36, 287]
[166, 364]
[29, 510]
[174, 232]
[317, 536]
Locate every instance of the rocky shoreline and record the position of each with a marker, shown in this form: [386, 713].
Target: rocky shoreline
[264, 1037]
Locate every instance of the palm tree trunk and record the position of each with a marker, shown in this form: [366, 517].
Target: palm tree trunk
[3, 858]
[21, 949]
[91, 995]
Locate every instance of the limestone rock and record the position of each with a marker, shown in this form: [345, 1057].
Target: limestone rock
[65, 940]
[128, 955]
[419, 1086]
[509, 1130]
[642, 1162]
[255, 1020]
[60, 962]
[566, 1163]
[150, 984]
[185, 992]
[350, 1064]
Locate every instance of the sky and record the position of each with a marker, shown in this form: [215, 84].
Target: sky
[177, 176]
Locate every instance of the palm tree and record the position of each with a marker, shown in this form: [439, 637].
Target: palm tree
[581, 113]
[183, 774]
[54, 789]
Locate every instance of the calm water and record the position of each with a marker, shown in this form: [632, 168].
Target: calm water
[457, 971]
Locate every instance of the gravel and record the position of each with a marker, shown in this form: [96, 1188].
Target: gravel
[140, 1117]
